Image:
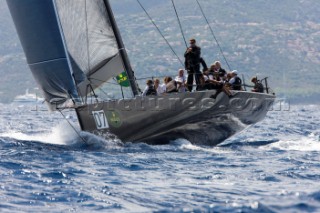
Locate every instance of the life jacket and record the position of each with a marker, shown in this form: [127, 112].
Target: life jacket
[237, 85]
[259, 87]
[151, 91]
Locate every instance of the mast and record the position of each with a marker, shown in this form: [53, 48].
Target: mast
[122, 49]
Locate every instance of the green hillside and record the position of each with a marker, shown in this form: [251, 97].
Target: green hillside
[267, 38]
[279, 39]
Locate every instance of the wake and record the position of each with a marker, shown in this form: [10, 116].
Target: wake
[66, 137]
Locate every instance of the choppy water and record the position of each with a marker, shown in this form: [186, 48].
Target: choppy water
[271, 167]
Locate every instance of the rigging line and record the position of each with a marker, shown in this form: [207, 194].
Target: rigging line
[76, 131]
[140, 79]
[160, 32]
[104, 92]
[179, 21]
[87, 32]
[110, 83]
[213, 34]
[101, 81]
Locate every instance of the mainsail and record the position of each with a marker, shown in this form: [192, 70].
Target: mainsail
[72, 46]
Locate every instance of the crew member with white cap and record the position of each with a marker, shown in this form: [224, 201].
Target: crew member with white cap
[235, 81]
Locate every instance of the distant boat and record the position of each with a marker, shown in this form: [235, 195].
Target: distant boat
[74, 49]
[28, 98]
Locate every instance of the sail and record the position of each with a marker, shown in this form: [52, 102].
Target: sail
[72, 46]
[91, 42]
[40, 35]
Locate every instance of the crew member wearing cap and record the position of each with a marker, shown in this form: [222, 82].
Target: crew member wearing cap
[235, 81]
[192, 63]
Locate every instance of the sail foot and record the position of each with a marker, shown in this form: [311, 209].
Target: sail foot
[57, 87]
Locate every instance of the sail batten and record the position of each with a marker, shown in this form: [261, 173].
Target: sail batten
[47, 61]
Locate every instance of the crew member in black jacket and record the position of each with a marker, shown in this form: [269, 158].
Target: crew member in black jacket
[192, 63]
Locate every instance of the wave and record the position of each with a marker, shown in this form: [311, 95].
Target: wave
[306, 144]
[256, 143]
[185, 145]
[252, 207]
[64, 135]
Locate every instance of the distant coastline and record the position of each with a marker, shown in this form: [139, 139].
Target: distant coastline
[282, 44]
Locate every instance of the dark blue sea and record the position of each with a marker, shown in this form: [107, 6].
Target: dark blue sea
[45, 166]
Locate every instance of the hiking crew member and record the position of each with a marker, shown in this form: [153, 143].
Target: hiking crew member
[149, 90]
[181, 81]
[161, 88]
[222, 72]
[171, 85]
[258, 87]
[192, 63]
[235, 82]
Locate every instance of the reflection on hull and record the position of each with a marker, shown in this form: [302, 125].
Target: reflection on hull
[193, 116]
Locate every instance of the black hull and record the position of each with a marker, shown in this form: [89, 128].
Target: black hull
[193, 116]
